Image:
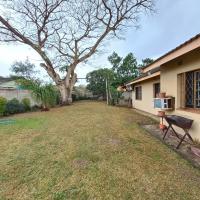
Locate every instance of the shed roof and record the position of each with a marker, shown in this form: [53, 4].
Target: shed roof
[5, 79]
[9, 84]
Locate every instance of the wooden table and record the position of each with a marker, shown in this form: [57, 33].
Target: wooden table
[180, 122]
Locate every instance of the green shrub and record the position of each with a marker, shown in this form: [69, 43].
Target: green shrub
[14, 106]
[3, 102]
[74, 97]
[27, 104]
[47, 95]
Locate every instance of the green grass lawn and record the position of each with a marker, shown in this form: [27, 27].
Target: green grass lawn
[90, 151]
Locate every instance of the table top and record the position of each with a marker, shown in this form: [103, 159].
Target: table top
[179, 121]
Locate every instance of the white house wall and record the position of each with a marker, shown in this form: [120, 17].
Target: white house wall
[146, 104]
[18, 94]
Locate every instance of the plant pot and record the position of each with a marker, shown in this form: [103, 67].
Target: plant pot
[162, 126]
[162, 94]
[161, 113]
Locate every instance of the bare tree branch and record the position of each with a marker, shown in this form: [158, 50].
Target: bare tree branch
[67, 32]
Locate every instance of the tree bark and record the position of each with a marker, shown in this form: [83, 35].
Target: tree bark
[66, 88]
[65, 93]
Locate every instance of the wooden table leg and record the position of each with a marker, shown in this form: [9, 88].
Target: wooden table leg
[166, 131]
[181, 141]
[189, 136]
[175, 133]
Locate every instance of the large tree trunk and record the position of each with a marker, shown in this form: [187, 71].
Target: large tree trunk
[66, 94]
[66, 88]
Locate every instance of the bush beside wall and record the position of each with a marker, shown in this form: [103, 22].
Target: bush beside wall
[3, 102]
[14, 106]
[27, 104]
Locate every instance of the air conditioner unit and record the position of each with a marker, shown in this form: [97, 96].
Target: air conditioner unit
[164, 103]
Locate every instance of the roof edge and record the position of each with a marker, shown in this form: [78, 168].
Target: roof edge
[173, 50]
[146, 74]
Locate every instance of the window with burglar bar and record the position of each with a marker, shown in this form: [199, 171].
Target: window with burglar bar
[156, 89]
[138, 93]
[192, 89]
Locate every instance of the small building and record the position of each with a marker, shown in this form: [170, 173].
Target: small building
[177, 74]
[126, 96]
[9, 89]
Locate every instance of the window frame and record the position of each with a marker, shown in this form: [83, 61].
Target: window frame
[154, 89]
[194, 89]
[138, 93]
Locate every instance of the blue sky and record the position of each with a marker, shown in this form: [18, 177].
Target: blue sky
[173, 23]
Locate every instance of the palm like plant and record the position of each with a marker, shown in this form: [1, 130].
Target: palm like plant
[44, 94]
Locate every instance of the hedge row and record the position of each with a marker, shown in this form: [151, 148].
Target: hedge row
[13, 106]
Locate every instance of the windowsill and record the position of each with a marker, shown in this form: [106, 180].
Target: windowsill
[191, 110]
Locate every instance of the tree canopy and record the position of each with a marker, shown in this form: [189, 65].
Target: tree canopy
[122, 71]
[125, 69]
[97, 81]
[145, 62]
[24, 69]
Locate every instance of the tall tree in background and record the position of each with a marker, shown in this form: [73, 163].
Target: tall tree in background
[97, 81]
[66, 33]
[24, 69]
[145, 62]
[125, 68]
[115, 60]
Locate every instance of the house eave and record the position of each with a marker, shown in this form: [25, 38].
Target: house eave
[156, 74]
[188, 46]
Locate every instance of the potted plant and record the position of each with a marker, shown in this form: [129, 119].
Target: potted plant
[162, 94]
[161, 113]
[162, 126]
